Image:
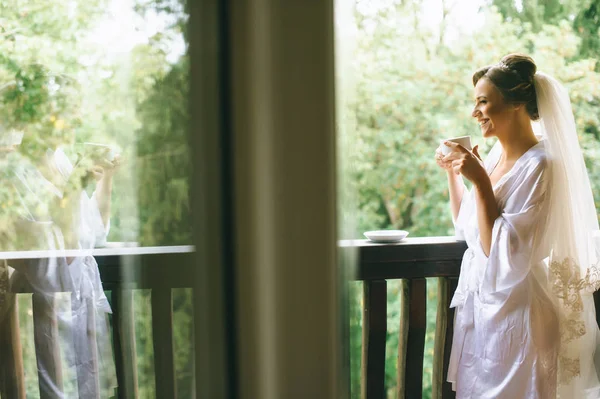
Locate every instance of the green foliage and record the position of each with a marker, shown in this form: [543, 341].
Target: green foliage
[163, 161]
[584, 16]
[405, 105]
[587, 24]
[412, 87]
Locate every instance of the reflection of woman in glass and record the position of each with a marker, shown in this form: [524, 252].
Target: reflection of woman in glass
[8, 142]
[57, 214]
[525, 319]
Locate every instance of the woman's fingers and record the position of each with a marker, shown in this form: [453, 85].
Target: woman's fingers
[439, 159]
[455, 147]
[97, 172]
[453, 156]
[476, 152]
[457, 165]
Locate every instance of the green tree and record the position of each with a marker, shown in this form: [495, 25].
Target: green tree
[413, 87]
[583, 15]
[587, 25]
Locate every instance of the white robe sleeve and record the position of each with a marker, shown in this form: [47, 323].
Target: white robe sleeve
[467, 201]
[517, 233]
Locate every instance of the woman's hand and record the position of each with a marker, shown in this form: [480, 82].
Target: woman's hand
[104, 185]
[98, 168]
[439, 159]
[465, 162]
[105, 168]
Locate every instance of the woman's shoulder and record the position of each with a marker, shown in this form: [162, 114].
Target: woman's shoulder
[531, 167]
[536, 157]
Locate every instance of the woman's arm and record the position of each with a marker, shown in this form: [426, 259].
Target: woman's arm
[104, 195]
[469, 164]
[104, 186]
[456, 185]
[456, 188]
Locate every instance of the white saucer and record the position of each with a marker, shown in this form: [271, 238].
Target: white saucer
[386, 235]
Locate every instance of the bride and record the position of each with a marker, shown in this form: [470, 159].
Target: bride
[54, 213]
[525, 322]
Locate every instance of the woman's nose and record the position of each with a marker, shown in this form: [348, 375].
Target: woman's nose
[475, 112]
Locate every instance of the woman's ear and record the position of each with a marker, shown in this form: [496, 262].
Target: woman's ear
[517, 107]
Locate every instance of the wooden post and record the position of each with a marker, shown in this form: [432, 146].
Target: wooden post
[441, 324]
[402, 338]
[45, 331]
[162, 327]
[124, 341]
[12, 375]
[411, 340]
[374, 336]
[447, 392]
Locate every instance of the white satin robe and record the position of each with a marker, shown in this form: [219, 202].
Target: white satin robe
[506, 336]
[83, 327]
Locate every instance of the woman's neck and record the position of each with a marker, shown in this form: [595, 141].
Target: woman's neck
[517, 142]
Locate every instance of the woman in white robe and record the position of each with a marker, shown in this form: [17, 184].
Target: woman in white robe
[82, 332]
[508, 325]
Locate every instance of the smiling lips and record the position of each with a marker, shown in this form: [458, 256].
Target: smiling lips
[482, 122]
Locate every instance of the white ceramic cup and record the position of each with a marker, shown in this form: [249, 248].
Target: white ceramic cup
[465, 141]
[111, 151]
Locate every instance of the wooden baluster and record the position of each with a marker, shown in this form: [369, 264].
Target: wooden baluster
[124, 341]
[411, 340]
[447, 392]
[162, 327]
[441, 324]
[46, 338]
[373, 339]
[402, 338]
[12, 374]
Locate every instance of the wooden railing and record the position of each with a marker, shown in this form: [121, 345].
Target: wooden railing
[162, 269]
[412, 261]
[122, 270]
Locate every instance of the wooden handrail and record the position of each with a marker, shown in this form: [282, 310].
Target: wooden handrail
[412, 258]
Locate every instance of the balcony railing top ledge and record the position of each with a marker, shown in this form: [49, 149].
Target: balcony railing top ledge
[412, 258]
[114, 249]
[127, 267]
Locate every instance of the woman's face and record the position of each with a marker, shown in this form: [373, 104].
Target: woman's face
[491, 111]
